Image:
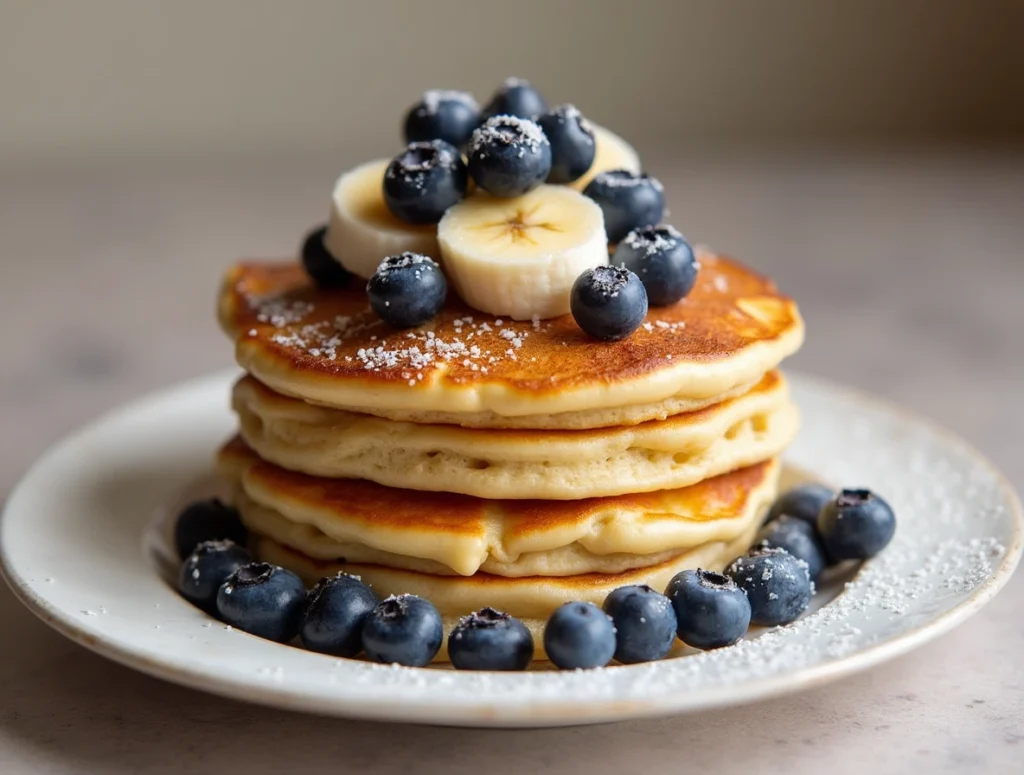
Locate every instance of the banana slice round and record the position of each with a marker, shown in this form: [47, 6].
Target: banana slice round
[519, 257]
[612, 153]
[362, 232]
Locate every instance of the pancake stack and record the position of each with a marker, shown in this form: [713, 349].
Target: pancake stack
[479, 461]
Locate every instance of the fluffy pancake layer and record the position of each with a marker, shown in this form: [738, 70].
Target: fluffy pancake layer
[446, 534]
[557, 465]
[469, 368]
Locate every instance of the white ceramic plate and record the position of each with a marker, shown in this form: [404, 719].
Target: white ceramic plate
[72, 550]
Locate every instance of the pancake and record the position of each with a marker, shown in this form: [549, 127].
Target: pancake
[328, 347]
[531, 599]
[446, 534]
[551, 464]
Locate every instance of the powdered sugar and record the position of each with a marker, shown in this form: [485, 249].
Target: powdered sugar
[510, 131]
[652, 241]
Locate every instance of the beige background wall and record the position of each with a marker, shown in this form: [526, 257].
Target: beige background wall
[94, 78]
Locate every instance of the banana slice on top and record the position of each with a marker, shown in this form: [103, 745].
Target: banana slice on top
[519, 257]
[611, 153]
[362, 231]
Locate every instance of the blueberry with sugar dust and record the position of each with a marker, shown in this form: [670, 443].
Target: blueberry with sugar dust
[407, 290]
[778, 585]
[645, 623]
[509, 156]
[515, 97]
[573, 147]
[490, 640]
[579, 636]
[856, 525]
[662, 259]
[403, 630]
[442, 114]
[424, 180]
[334, 613]
[711, 610]
[608, 302]
[628, 200]
[264, 600]
[209, 566]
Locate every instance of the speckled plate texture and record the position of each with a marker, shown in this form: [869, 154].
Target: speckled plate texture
[73, 534]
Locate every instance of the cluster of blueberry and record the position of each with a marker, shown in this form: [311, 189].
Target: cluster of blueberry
[808, 528]
[512, 146]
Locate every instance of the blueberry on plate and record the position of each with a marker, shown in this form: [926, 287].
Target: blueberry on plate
[333, 615]
[662, 259]
[572, 143]
[490, 640]
[403, 630]
[509, 156]
[407, 290]
[207, 568]
[320, 265]
[515, 97]
[803, 502]
[579, 636]
[442, 114]
[608, 302]
[645, 624]
[777, 584]
[856, 525]
[711, 611]
[628, 201]
[207, 520]
[424, 180]
[264, 600]
[797, 537]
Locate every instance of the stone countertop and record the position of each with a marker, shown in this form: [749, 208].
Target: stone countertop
[909, 270]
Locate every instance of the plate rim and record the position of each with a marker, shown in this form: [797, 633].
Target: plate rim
[523, 713]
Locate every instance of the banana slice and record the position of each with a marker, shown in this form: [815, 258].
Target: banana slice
[362, 232]
[519, 257]
[613, 153]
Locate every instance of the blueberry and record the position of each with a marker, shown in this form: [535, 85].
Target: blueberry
[333, 615]
[207, 520]
[490, 640]
[856, 525]
[424, 180]
[442, 114]
[804, 502]
[711, 611]
[628, 201]
[207, 568]
[572, 143]
[797, 537]
[608, 302]
[662, 259]
[777, 584]
[403, 630]
[509, 156]
[645, 624]
[264, 600]
[407, 290]
[320, 265]
[579, 636]
[515, 97]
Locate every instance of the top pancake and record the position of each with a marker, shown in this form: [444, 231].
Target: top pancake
[467, 367]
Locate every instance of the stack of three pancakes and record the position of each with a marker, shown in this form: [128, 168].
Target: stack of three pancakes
[481, 462]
